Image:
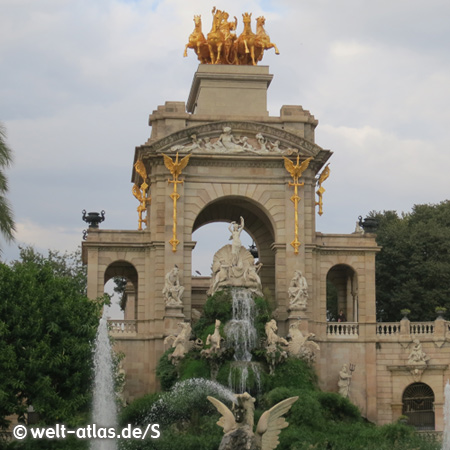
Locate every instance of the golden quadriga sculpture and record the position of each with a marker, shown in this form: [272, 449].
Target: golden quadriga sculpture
[222, 46]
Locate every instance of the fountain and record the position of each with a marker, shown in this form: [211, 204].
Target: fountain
[241, 335]
[104, 412]
[446, 437]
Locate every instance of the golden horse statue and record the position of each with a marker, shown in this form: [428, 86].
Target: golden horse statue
[245, 43]
[197, 41]
[215, 38]
[221, 46]
[263, 37]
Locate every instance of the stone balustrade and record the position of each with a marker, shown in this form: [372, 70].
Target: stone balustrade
[388, 329]
[121, 328]
[421, 327]
[342, 329]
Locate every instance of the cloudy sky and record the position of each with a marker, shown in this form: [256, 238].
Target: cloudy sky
[80, 77]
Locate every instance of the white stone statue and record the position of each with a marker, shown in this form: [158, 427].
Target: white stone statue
[214, 340]
[298, 291]
[300, 346]
[173, 291]
[417, 355]
[238, 423]
[234, 266]
[275, 346]
[236, 230]
[227, 142]
[181, 343]
[345, 377]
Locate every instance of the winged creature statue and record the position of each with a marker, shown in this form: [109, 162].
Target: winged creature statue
[324, 175]
[176, 167]
[296, 170]
[237, 423]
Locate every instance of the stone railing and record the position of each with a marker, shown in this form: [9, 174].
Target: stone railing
[388, 328]
[342, 329]
[122, 327]
[421, 327]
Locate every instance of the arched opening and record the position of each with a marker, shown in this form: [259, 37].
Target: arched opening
[418, 406]
[257, 225]
[121, 278]
[342, 294]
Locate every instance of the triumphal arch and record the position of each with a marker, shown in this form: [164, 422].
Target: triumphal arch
[221, 157]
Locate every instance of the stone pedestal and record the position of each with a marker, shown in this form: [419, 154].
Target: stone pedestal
[229, 90]
[173, 316]
[296, 314]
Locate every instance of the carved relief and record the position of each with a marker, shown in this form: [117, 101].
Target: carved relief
[227, 142]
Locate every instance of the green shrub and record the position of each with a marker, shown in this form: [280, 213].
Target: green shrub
[192, 366]
[294, 373]
[337, 408]
[166, 371]
[136, 412]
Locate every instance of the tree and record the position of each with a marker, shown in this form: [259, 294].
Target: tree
[47, 326]
[413, 267]
[6, 217]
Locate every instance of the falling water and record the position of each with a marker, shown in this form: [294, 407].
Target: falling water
[240, 331]
[104, 413]
[241, 335]
[446, 438]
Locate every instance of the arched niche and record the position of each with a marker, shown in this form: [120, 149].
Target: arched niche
[342, 293]
[127, 271]
[418, 406]
[258, 225]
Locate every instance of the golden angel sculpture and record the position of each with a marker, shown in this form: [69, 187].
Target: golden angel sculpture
[140, 193]
[222, 46]
[238, 422]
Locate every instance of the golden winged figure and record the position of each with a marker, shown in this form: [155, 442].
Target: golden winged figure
[137, 192]
[239, 422]
[176, 167]
[140, 169]
[296, 170]
[325, 174]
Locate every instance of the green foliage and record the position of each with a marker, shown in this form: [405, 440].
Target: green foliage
[47, 327]
[136, 412]
[413, 267]
[218, 306]
[294, 373]
[263, 315]
[166, 371]
[193, 366]
[7, 226]
[337, 408]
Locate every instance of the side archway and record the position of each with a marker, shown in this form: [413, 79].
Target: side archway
[342, 293]
[129, 276]
[418, 406]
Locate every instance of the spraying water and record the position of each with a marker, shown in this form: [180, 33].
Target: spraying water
[104, 413]
[446, 438]
[185, 396]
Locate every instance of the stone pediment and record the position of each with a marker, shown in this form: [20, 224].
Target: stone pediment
[235, 138]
